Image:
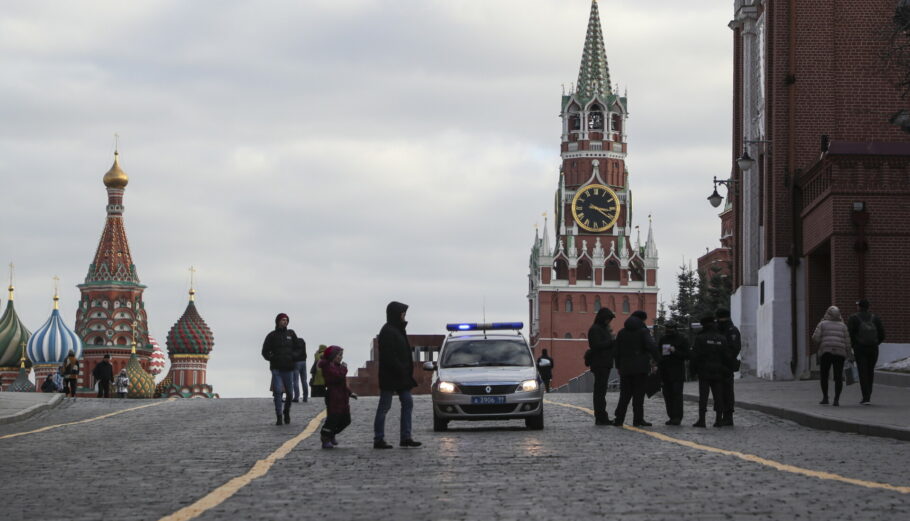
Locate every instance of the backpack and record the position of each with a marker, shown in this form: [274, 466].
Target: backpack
[867, 334]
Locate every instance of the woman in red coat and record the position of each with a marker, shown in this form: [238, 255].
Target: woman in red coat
[338, 395]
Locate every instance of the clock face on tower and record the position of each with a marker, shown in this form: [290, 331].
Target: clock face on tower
[595, 208]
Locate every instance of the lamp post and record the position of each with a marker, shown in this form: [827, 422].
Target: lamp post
[745, 161]
[715, 198]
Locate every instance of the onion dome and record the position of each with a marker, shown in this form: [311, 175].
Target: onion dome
[142, 384]
[53, 341]
[116, 177]
[190, 335]
[21, 384]
[12, 334]
[158, 359]
[163, 385]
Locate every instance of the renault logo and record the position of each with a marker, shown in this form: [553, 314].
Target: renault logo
[488, 389]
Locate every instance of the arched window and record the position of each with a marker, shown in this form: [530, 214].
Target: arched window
[121, 341]
[611, 270]
[616, 121]
[582, 304]
[574, 122]
[625, 304]
[562, 269]
[98, 341]
[568, 304]
[568, 335]
[595, 117]
[596, 304]
[584, 270]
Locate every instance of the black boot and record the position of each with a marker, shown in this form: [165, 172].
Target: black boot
[718, 419]
[287, 416]
[278, 421]
[701, 420]
[728, 419]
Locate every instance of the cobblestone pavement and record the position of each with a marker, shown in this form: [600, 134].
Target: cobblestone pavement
[148, 463]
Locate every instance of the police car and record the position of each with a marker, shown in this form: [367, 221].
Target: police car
[486, 372]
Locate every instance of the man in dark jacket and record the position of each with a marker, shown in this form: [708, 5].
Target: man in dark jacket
[866, 333]
[104, 375]
[396, 375]
[674, 353]
[635, 349]
[545, 368]
[300, 370]
[708, 356]
[734, 346]
[278, 349]
[600, 342]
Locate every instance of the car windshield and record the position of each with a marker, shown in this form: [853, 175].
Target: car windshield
[486, 352]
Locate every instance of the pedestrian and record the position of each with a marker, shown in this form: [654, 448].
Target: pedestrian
[70, 374]
[866, 333]
[636, 352]
[600, 360]
[58, 379]
[104, 375]
[833, 341]
[48, 385]
[732, 365]
[338, 395]
[708, 356]
[300, 370]
[317, 382]
[545, 368]
[278, 349]
[396, 375]
[122, 384]
[674, 353]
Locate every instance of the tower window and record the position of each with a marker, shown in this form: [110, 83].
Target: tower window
[596, 304]
[595, 118]
[625, 304]
[98, 341]
[584, 270]
[562, 269]
[568, 304]
[568, 335]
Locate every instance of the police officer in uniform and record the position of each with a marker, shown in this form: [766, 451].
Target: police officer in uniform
[734, 345]
[674, 353]
[708, 355]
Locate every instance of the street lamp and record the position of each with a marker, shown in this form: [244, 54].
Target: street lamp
[715, 198]
[745, 161]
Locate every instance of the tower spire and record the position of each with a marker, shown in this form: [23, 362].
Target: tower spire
[594, 73]
[192, 285]
[11, 288]
[56, 292]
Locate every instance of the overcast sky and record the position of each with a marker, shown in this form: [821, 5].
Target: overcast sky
[322, 158]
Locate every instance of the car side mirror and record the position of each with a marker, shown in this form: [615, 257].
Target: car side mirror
[429, 366]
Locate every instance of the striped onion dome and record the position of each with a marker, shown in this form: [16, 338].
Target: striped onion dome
[12, 333]
[21, 384]
[142, 384]
[53, 341]
[158, 359]
[190, 335]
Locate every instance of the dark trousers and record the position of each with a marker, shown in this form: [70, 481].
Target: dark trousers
[729, 397]
[601, 378]
[828, 360]
[631, 387]
[672, 380]
[335, 423]
[717, 392]
[866, 358]
[104, 389]
[69, 387]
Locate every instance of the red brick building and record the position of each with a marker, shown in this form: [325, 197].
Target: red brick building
[720, 259]
[592, 263]
[821, 205]
[425, 348]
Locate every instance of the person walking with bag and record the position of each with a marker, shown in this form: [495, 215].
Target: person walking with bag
[396, 375]
[300, 371]
[70, 374]
[635, 351]
[278, 349]
[866, 333]
[833, 341]
[674, 353]
[338, 395]
[545, 368]
[600, 360]
[708, 358]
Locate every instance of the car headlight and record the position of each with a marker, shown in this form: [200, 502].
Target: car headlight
[446, 387]
[528, 385]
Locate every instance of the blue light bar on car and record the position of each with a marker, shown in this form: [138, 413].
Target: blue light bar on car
[475, 326]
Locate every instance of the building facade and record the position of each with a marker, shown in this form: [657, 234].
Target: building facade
[821, 177]
[592, 262]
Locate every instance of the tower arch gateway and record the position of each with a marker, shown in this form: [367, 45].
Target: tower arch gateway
[591, 260]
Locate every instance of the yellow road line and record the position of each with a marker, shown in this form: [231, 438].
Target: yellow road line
[259, 469]
[783, 467]
[89, 420]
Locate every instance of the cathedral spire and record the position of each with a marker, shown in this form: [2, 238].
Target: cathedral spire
[650, 245]
[594, 73]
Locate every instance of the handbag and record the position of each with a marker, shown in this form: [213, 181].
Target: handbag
[653, 383]
[851, 375]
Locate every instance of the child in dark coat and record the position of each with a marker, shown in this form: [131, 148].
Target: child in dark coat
[338, 395]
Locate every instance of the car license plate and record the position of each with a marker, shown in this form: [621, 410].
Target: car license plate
[488, 400]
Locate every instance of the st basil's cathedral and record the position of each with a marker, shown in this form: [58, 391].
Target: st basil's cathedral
[111, 319]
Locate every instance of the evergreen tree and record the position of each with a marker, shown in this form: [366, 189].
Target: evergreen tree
[684, 308]
[714, 289]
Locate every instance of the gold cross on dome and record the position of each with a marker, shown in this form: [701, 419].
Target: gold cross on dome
[192, 283]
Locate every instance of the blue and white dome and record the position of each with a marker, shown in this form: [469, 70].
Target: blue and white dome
[53, 341]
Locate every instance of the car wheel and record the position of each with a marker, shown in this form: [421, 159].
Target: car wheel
[440, 425]
[535, 423]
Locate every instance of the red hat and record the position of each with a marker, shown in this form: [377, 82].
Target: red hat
[330, 352]
[280, 316]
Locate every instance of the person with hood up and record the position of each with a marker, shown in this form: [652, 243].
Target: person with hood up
[104, 375]
[635, 352]
[48, 385]
[866, 334]
[122, 384]
[317, 382]
[338, 395]
[674, 352]
[600, 343]
[709, 356]
[396, 375]
[70, 374]
[278, 349]
[545, 368]
[833, 340]
[734, 346]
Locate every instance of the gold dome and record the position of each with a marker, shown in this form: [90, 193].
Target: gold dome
[116, 177]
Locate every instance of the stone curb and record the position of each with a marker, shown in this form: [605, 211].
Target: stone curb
[32, 410]
[820, 422]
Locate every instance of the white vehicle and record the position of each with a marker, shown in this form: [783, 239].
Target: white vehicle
[486, 373]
